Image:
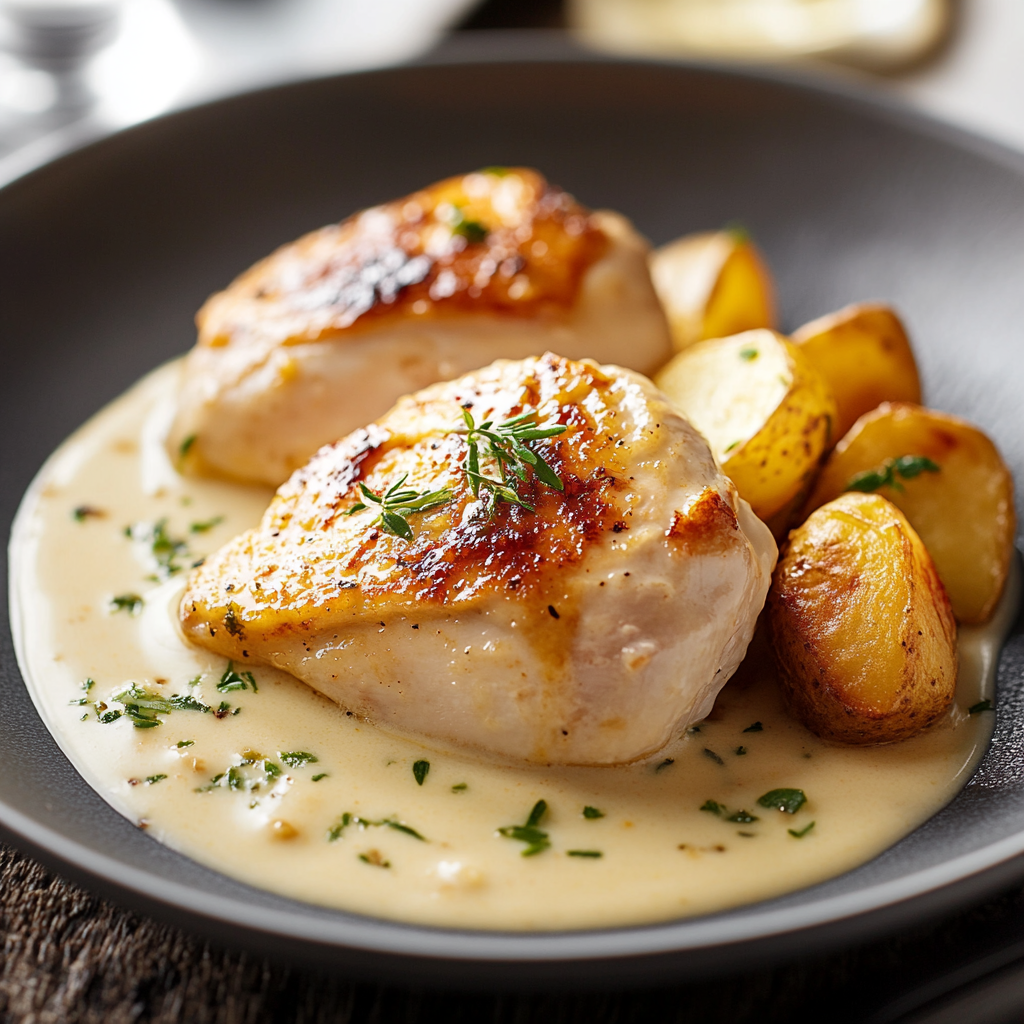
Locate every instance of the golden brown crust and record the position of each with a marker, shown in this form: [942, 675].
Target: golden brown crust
[308, 559]
[502, 241]
[861, 625]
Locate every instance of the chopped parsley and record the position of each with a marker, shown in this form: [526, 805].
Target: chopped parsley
[130, 603]
[232, 680]
[298, 758]
[712, 756]
[470, 230]
[735, 444]
[83, 512]
[748, 354]
[396, 505]
[740, 817]
[337, 830]
[756, 727]
[505, 445]
[186, 446]
[419, 771]
[584, 853]
[982, 705]
[374, 858]
[906, 467]
[319, 776]
[536, 839]
[252, 773]
[142, 706]
[205, 524]
[459, 787]
[165, 550]
[184, 743]
[592, 813]
[152, 780]
[802, 832]
[789, 801]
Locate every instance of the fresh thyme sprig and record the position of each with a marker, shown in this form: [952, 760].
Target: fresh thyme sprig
[396, 504]
[506, 444]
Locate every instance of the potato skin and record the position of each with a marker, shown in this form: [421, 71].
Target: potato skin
[864, 354]
[766, 412]
[861, 625]
[964, 513]
[712, 285]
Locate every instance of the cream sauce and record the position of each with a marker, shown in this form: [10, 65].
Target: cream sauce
[661, 855]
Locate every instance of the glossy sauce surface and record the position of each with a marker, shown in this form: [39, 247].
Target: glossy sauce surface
[366, 826]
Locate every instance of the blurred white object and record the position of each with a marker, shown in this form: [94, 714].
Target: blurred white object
[75, 69]
[874, 33]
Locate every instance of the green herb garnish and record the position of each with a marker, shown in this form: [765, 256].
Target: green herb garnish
[142, 706]
[396, 504]
[742, 817]
[592, 813]
[713, 807]
[982, 705]
[419, 771]
[664, 764]
[756, 727]
[186, 446]
[319, 776]
[907, 467]
[206, 524]
[336, 831]
[152, 780]
[232, 680]
[110, 716]
[374, 858]
[712, 756]
[165, 549]
[740, 751]
[184, 743]
[789, 801]
[298, 758]
[802, 832]
[584, 853]
[536, 839]
[748, 354]
[505, 444]
[459, 787]
[130, 603]
[83, 512]
[471, 230]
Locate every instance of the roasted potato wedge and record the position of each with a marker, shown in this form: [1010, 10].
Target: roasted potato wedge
[864, 355]
[963, 509]
[861, 625]
[765, 411]
[712, 285]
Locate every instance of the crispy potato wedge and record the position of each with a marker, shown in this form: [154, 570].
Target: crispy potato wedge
[864, 355]
[765, 411]
[963, 510]
[861, 625]
[712, 285]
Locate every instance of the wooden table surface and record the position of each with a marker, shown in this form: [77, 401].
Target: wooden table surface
[71, 958]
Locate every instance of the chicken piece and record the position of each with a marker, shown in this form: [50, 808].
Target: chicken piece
[324, 335]
[585, 628]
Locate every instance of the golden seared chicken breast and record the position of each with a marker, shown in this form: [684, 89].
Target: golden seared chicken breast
[540, 559]
[324, 335]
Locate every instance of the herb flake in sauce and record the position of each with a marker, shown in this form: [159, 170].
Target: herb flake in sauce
[419, 771]
[789, 801]
[536, 839]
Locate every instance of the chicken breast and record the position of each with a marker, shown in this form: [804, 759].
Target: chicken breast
[323, 336]
[583, 626]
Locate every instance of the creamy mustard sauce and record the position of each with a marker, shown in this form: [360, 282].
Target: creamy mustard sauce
[276, 823]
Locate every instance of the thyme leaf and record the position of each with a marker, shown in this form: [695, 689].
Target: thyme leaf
[397, 503]
[906, 467]
[505, 445]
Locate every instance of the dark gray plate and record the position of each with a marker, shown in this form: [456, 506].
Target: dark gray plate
[106, 254]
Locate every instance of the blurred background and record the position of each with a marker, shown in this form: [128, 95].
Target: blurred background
[71, 70]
